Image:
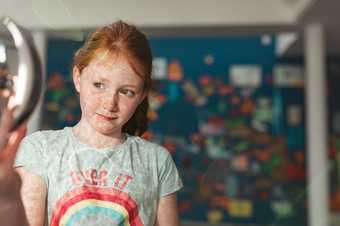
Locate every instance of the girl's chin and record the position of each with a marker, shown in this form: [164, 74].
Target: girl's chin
[107, 129]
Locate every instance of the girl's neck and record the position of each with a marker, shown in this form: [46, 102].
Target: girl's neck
[87, 135]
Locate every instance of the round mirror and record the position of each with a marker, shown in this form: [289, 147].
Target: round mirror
[20, 71]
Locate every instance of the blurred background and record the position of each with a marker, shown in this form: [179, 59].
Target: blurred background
[245, 98]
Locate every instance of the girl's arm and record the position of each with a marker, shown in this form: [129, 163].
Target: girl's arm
[33, 195]
[167, 211]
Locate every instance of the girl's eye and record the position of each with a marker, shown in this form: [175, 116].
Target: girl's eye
[98, 85]
[128, 93]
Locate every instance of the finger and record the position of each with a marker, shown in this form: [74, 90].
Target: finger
[7, 118]
[9, 152]
[5, 126]
[17, 135]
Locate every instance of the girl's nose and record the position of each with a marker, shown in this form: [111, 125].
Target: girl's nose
[111, 102]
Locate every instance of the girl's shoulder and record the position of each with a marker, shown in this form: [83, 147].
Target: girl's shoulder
[143, 143]
[149, 147]
[46, 136]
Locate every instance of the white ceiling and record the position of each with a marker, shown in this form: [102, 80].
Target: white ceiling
[64, 14]
[176, 17]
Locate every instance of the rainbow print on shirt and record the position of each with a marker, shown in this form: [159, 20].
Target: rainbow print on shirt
[96, 206]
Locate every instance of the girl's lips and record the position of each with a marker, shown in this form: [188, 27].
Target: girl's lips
[106, 117]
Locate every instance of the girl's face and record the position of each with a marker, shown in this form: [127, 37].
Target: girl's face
[110, 92]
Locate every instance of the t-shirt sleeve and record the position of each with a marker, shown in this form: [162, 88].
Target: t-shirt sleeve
[169, 178]
[31, 155]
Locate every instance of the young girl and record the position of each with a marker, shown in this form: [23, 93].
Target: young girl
[100, 172]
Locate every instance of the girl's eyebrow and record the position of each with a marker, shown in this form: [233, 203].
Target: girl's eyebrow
[101, 78]
[130, 86]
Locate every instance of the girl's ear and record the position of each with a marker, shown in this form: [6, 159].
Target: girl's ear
[76, 78]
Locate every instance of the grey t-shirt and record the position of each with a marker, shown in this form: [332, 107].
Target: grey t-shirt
[89, 186]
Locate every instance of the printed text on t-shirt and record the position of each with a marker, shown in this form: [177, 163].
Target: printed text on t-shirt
[92, 177]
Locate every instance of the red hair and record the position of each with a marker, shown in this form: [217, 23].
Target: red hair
[122, 39]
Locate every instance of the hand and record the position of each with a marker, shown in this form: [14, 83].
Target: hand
[9, 142]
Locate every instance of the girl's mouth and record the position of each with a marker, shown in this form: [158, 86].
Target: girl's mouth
[109, 118]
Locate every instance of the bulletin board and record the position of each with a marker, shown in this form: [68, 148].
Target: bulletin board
[231, 116]
[235, 127]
